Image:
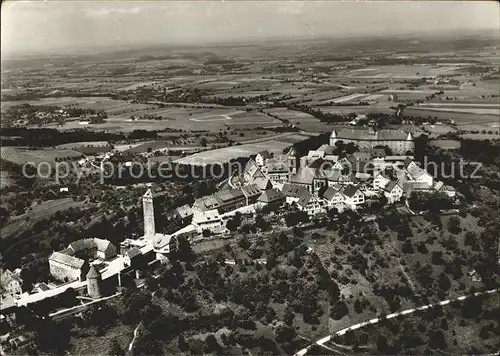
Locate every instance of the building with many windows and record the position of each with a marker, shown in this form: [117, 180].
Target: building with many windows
[399, 141]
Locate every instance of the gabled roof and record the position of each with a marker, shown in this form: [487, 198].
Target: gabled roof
[304, 175]
[293, 190]
[86, 244]
[304, 198]
[7, 276]
[265, 154]
[409, 186]
[134, 251]
[390, 186]
[162, 240]
[102, 245]
[251, 190]
[184, 211]
[363, 156]
[415, 171]
[327, 149]
[331, 158]
[408, 161]
[208, 215]
[276, 166]
[227, 195]
[438, 185]
[207, 203]
[271, 195]
[252, 170]
[262, 182]
[148, 194]
[292, 151]
[331, 191]
[385, 173]
[317, 164]
[67, 260]
[350, 191]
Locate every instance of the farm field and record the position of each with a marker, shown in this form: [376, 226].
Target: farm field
[459, 117]
[464, 108]
[402, 71]
[87, 148]
[445, 144]
[439, 129]
[223, 155]
[481, 136]
[20, 156]
[183, 119]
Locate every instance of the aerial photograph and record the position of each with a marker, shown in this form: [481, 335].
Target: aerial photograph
[250, 178]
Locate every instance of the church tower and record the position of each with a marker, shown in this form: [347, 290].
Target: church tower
[292, 161]
[333, 138]
[149, 214]
[94, 283]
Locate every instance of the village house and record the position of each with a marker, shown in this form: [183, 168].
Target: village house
[311, 204]
[10, 284]
[185, 213]
[272, 197]
[336, 177]
[163, 246]
[251, 192]
[333, 195]
[393, 191]
[353, 196]
[293, 192]
[262, 157]
[277, 170]
[446, 189]
[304, 177]
[208, 220]
[381, 178]
[417, 174]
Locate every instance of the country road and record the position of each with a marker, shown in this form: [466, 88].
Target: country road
[341, 332]
[136, 330]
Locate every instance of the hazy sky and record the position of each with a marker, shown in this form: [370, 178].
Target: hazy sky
[29, 26]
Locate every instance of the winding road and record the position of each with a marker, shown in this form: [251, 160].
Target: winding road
[341, 332]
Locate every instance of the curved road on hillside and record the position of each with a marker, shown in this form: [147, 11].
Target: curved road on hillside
[341, 332]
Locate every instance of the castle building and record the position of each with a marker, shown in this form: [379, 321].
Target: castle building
[72, 264]
[398, 141]
[94, 283]
[67, 268]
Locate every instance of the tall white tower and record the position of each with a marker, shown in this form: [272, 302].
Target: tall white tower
[149, 214]
[333, 138]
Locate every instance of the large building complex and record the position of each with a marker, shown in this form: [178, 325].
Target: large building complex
[399, 141]
[72, 263]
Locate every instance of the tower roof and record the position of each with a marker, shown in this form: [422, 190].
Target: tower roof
[93, 272]
[148, 194]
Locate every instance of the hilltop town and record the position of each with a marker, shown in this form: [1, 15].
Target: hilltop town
[303, 196]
